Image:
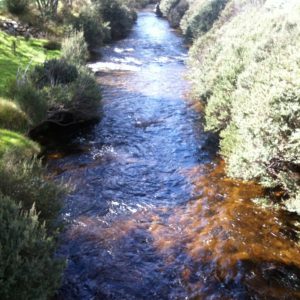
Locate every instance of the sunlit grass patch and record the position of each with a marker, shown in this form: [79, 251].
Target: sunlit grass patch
[12, 141]
[12, 117]
[17, 52]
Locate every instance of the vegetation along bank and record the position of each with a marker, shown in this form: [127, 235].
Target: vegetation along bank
[44, 85]
[244, 66]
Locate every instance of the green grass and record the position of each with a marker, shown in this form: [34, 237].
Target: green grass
[12, 141]
[27, 52]
[12, 117]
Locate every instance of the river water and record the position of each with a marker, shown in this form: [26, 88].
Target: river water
[152, 215]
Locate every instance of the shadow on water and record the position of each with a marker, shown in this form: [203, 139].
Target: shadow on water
[153, 216]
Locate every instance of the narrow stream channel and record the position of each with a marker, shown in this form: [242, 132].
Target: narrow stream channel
[152, 215]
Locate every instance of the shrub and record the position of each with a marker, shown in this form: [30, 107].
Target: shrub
[12, 141]
[246, 69]
[86, 93]
[81, 97]
[119, 17]
[54, 72]
[167, 5]
[91, 23]
[12, 117]
[52, 45]
[29, 99]
[25, 182]
[17, 7]
[75, 49]
[201, 16]
[28, 269]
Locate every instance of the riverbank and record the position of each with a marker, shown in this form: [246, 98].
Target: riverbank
[245, 74]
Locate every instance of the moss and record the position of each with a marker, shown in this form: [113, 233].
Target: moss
[11, 141]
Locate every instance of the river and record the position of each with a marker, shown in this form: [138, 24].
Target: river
[152, 215]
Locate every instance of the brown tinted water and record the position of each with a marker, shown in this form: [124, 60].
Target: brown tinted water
[152, 215]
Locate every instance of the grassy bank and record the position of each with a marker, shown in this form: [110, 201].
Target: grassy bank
[17, 53]
[244, 66]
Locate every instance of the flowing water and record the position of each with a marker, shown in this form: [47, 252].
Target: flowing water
[152, 215]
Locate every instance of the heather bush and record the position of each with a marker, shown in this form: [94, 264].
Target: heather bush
[201, 16]
[52, 45]
[75, 49]
[117, 15]
[95, 30]
[28, 269]
[29, 99]
[246, 69]
[53, 72]
[25, 181]
[80, 97]
[167, 5]
[17, 7]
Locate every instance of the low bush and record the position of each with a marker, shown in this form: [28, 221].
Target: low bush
[246, 70]
[17, 7]
[25, 182]
[136, 4]
[201, 16]
[81, 97]
[12, 117]
[29, 99]
[53, 72]
[52, 45]
[95, 31]
[167, 5]
[28, 269]
[119, 17]
[75, 48]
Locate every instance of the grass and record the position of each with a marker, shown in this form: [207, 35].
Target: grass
[26, 52]
[12, 117]
[12, 141]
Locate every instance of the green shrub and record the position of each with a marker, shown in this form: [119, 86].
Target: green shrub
[81, 97]
[17, 7]
[29, 99]
[167, 5]
[201, 16]
[52, 45]
[137, 4]
[94, 29]
[14, 142]
[86, 93]
[119, 17]
[246, 68]
[75, 49]
[25, 182]
[12, 117]
[28, 269]
[54, 72]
